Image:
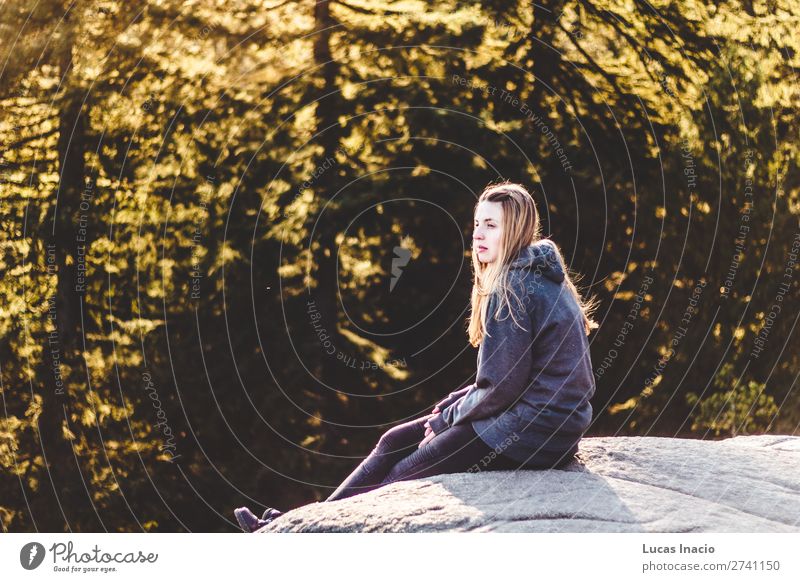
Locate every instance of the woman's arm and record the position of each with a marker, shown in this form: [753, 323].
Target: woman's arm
[504, 369]
[452, 397]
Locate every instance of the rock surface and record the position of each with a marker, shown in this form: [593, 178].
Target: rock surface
[615, 484]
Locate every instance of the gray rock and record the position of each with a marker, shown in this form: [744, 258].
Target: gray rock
[615, 484]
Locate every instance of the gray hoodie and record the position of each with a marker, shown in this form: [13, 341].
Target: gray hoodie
[533, 385]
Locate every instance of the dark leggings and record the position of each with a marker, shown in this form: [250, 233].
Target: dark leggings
[396, 457]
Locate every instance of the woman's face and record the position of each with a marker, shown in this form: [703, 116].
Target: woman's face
[488, 230]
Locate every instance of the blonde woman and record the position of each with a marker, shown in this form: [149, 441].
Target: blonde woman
[529, 406]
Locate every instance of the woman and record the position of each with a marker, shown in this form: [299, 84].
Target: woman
[529, 406]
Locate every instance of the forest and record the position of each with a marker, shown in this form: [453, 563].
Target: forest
[236, 236]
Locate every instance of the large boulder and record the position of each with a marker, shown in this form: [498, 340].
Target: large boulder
[615, 484]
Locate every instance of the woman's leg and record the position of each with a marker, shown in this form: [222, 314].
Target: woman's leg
[457, 450]
[395, 444]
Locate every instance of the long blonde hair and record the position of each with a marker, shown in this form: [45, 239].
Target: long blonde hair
[521, 228]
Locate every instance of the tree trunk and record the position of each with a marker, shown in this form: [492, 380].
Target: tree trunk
[70, 507]
[328, 133]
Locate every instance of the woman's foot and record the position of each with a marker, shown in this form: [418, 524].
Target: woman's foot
[247, 519]
[250, 523]
[270, 513]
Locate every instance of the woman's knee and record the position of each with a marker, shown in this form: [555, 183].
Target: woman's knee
[402, 436]
[392, 439]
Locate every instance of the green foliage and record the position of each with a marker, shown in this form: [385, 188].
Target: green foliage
[737, 408]
[179, 181]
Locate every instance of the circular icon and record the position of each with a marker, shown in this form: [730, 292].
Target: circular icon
[31, 555]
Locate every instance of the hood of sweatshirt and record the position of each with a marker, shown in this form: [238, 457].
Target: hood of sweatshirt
[541, 257]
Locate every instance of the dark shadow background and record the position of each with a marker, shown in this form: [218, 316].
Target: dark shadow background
[203, 210]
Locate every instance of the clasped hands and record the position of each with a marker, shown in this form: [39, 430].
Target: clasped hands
[429, 434]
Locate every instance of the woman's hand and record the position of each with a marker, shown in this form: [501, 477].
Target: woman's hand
[428, 438]
[429, 434]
